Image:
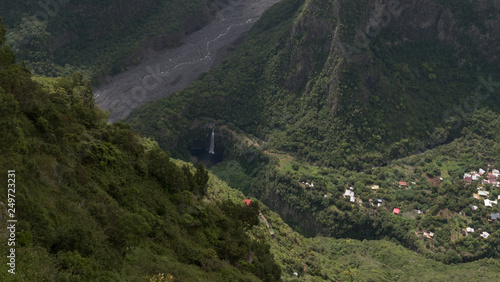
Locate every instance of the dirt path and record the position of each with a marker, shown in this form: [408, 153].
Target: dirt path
[172, 69]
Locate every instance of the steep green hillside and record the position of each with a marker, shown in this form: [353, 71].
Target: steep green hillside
[97, 37]
[328, 259]
[96, 202]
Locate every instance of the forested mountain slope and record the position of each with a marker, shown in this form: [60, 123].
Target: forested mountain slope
[97, 38]
[95, 202]
[345, 83]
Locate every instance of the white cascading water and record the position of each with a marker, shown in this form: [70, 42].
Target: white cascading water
[211, 151]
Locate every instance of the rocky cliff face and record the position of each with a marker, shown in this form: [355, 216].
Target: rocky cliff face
[469, 27]
[334, 56]
[479, 25]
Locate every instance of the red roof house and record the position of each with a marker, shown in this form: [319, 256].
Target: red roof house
[396, 211]
[402, 183]
[247, 201]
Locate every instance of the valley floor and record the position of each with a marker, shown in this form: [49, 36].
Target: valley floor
[172, 69]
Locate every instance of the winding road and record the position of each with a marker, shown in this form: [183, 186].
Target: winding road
[172, 69]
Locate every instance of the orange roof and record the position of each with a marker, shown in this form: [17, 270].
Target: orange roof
[247, 201]
[396, 210]
[476, 196]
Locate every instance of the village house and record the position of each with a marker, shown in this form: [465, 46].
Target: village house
[495, 216]
[485, 234]
[375, 187]
[429, 235]
[349, 193]
[469, 230]
[468, 178]
[483, 193]
[402, 183]
[474, 208]
[495, 172]
[488, 203]
[481, 171]
[492, 178]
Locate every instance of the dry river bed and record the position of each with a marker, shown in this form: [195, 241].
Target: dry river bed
[161, 73]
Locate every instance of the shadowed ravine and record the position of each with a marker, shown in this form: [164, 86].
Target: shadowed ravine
[172, 69]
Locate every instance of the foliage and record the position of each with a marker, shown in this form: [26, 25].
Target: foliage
[96, 201]
[96, 38]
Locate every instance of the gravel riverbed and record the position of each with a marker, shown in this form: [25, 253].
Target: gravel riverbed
[172, 69]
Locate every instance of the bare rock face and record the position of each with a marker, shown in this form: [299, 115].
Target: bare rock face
[430, 20]
[423, 14]
[412, 20]
[445, 26]
[308, 38]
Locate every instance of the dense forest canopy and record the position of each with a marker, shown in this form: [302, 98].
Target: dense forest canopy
[97, 38]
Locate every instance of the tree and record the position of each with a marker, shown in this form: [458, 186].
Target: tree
[201, 178]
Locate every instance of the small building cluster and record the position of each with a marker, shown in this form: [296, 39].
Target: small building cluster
[489, 178]
[483, 193]
[350, 193]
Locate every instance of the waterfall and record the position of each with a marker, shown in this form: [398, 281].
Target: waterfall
[211, 151]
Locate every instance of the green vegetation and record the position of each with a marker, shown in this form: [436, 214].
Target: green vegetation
[97, 202]
[427, 204]
[328, 259]
[97, 38]
[321, 108]
[338, 124]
